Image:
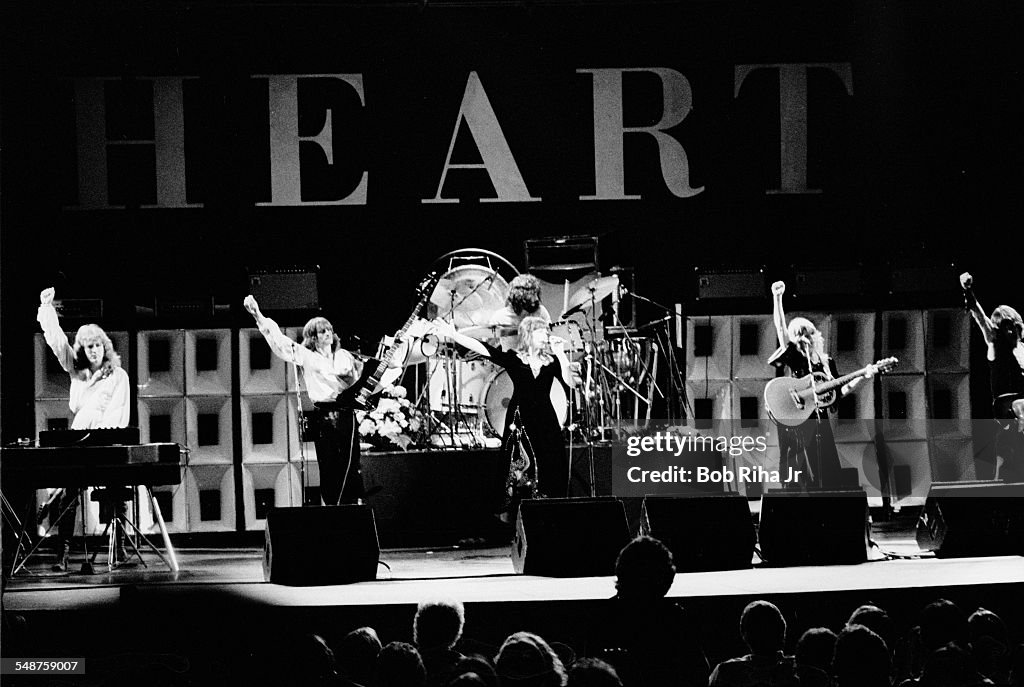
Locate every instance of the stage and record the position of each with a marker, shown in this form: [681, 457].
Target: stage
[477, 576]
[218, 611]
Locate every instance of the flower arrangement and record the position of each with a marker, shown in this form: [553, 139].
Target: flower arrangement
[391, 422]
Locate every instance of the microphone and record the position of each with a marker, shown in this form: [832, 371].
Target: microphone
[656, 322]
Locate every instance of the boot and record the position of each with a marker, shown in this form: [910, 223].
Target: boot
[62, 557]
[120, 552]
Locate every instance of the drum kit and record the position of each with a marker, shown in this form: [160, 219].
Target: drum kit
[466, 399]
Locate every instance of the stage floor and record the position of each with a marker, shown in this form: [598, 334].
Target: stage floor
[486, 575]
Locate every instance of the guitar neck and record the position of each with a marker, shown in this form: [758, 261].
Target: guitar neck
[386, 358]
[837, 383]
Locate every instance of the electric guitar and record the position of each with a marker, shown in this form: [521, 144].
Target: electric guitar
[376, 373]
[791, 400]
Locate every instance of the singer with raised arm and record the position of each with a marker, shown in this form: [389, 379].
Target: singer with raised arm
[327, 369]
[538, 362]
[100, 396]
[810, 447]
[1004, 337]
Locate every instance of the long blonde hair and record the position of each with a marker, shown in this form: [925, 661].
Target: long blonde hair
[92, 332]
[526, 329]
[800, 327]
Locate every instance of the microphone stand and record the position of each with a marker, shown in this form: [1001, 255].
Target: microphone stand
[591, 358]
[817, 418]
[303, 424]
[423, 397]
[450, 382]
[463, 299]
[571, 426]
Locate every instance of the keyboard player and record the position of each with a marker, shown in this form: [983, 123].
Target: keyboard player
[100, 394]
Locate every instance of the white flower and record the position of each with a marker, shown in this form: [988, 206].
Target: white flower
[367, 427]
[387, 405]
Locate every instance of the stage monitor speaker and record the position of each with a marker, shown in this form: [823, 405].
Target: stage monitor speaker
[320, 545]
[569, 537]
[973, 519]
[703, 532]
[814, 528]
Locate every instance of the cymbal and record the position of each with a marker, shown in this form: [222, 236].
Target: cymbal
[590, 293]
[468, 294]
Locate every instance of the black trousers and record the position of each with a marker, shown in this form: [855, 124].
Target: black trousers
[1009, 440]
[337, 454]
[810, 448]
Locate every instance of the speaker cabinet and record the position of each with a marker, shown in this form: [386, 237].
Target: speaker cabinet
[569, 537]
[320, 545]
[285, 289]
[973, 519]
[703, 532]
[814, 528]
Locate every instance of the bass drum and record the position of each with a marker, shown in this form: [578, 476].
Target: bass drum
[498, 393]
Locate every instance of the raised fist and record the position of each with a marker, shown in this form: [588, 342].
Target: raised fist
[778, 288]
[966, 280]
[46, 296]
[251, 305]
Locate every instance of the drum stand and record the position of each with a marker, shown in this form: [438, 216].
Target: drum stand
[451, 396]
[632, 345]
[676, 388]
[453, 384]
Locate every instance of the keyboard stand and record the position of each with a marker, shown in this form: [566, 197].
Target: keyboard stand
[10, 516]
[21, 556]
[121, 520]
[23, 535]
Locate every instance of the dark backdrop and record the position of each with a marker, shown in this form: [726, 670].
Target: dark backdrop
[921, 165]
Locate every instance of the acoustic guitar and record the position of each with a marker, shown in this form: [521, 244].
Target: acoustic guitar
[791, 400]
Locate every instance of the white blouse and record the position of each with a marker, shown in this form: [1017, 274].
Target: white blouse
[98, 401]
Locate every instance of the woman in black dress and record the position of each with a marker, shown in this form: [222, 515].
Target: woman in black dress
[536, 363]
[810, 447]
[1004, 337]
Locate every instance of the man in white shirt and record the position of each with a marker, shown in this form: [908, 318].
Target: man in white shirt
[327, 370]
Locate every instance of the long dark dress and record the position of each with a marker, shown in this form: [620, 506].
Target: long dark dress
[1007, 379]
[809, 447]
[531, 396]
